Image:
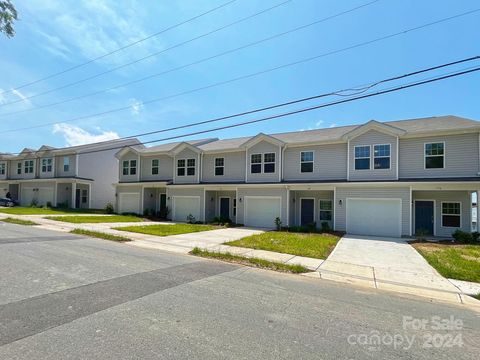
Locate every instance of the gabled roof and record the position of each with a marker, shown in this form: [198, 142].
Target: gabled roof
[185, 145]
[374, 125]
[262, 137]
[168, 147]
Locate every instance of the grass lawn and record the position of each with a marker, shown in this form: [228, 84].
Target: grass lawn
[19, 221]
[310, 245]
[260, 263]
[100, 235]
[455, 261]
[165, 230]
[19, 210]
[96, 219]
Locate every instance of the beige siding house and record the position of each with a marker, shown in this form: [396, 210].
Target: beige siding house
[392, 178]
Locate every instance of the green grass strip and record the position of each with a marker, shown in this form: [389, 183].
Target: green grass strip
[255, 262]
[100, 235]
[92, 219]
[19, 221]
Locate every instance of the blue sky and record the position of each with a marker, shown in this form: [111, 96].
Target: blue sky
[54, 35]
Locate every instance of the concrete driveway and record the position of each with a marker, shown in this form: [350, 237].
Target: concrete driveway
[385, 263]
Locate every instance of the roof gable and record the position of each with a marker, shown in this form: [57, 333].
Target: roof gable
[124, 151]
[262, 137]
[184, 145]
[374, 125]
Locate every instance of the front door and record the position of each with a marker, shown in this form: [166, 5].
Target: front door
[225, 208]
[424, 217]
[307, 211]
[77, 198]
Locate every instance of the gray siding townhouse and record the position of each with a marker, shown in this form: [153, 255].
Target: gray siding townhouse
[393, 178]
[77, 177]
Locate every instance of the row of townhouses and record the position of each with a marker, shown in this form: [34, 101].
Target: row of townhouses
[380, 178]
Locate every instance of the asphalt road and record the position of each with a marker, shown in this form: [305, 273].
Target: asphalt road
[69, 297]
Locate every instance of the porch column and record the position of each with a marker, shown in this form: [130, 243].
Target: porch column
[74, 193]
[478, 212]
[89, 196]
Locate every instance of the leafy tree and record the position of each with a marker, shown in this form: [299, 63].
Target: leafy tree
[8, 15]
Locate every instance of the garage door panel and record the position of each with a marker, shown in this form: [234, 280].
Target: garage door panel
[185, 206]
[45, 195]
[377, 217]
[262, 211]
[26, 196]
[129, 203]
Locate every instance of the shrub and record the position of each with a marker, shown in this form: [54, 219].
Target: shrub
[49, 204]
[475, 236]
[191, 219]
[325, 226]
[462, 237]
[163, 213]
[34, 203]
[109, 209]
[278, 223]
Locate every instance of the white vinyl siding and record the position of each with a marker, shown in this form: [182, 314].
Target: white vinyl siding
[234, 167]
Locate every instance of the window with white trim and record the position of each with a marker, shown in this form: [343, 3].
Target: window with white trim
[234, 207]
[190, 167]
[84, 196]
[155, 166]
[451, 213]
[19, 168]
[256, 163]
[362, 157]
[181, 167]
[326, 210]
[435, 155]
[28, 166]
[381, 156]
[2, 168]
[47, 165]
[269, 163]
[129, 167]
[66, 164]
[219, 166]
[306, 161]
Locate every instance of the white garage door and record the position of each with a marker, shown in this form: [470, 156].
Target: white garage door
[183, 206]
[129, 203]
[44, 195]
[262, 211]
[377, 217]
[26, 196]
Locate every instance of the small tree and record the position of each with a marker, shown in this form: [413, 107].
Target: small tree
[278, 223]
[8, 15]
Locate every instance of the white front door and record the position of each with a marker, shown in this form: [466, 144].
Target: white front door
[129, 203]
[377, 217]
[261, 211]
[184, 206]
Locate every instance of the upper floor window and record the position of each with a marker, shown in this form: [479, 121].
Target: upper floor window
[269, 163]
[19, 168]
[451, 214]
[2, 169]
[155, 164]
[381, 156]
[306, 161]
[47, 165]
[434, 155]
[362, 157]
[129, 167]
[66, 164]
[185, 167]
[28, 166]
[256, 163]
[219, 166]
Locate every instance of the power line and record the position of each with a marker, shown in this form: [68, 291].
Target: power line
[120, 48]
[243, 77]
[148, 56]
[148, 77]
[311, 108]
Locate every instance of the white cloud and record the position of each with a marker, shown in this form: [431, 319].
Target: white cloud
[21, 96]
[3, 99]
[319, 123]
[136, 106]
[54, 45]
[75, 135]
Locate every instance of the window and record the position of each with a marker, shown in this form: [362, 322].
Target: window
[155, 166]
[181, 167]
[84, 196]
[66, 164]
[381, 156]
[434, 155]
[306, 161]
[2, 169]
[19, 168]
[219, 166]
[362, 157]
[325, 210]
[234, 207]
[129, 167]
[269, 163]
[256, 163]
[47, 165]
[190, 167]
[28, 166]
[451, 214]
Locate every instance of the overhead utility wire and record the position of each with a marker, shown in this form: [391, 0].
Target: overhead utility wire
[119, 49]
[148, 56]
[148, 77]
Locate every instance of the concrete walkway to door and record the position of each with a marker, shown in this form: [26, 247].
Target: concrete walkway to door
[385, 263]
